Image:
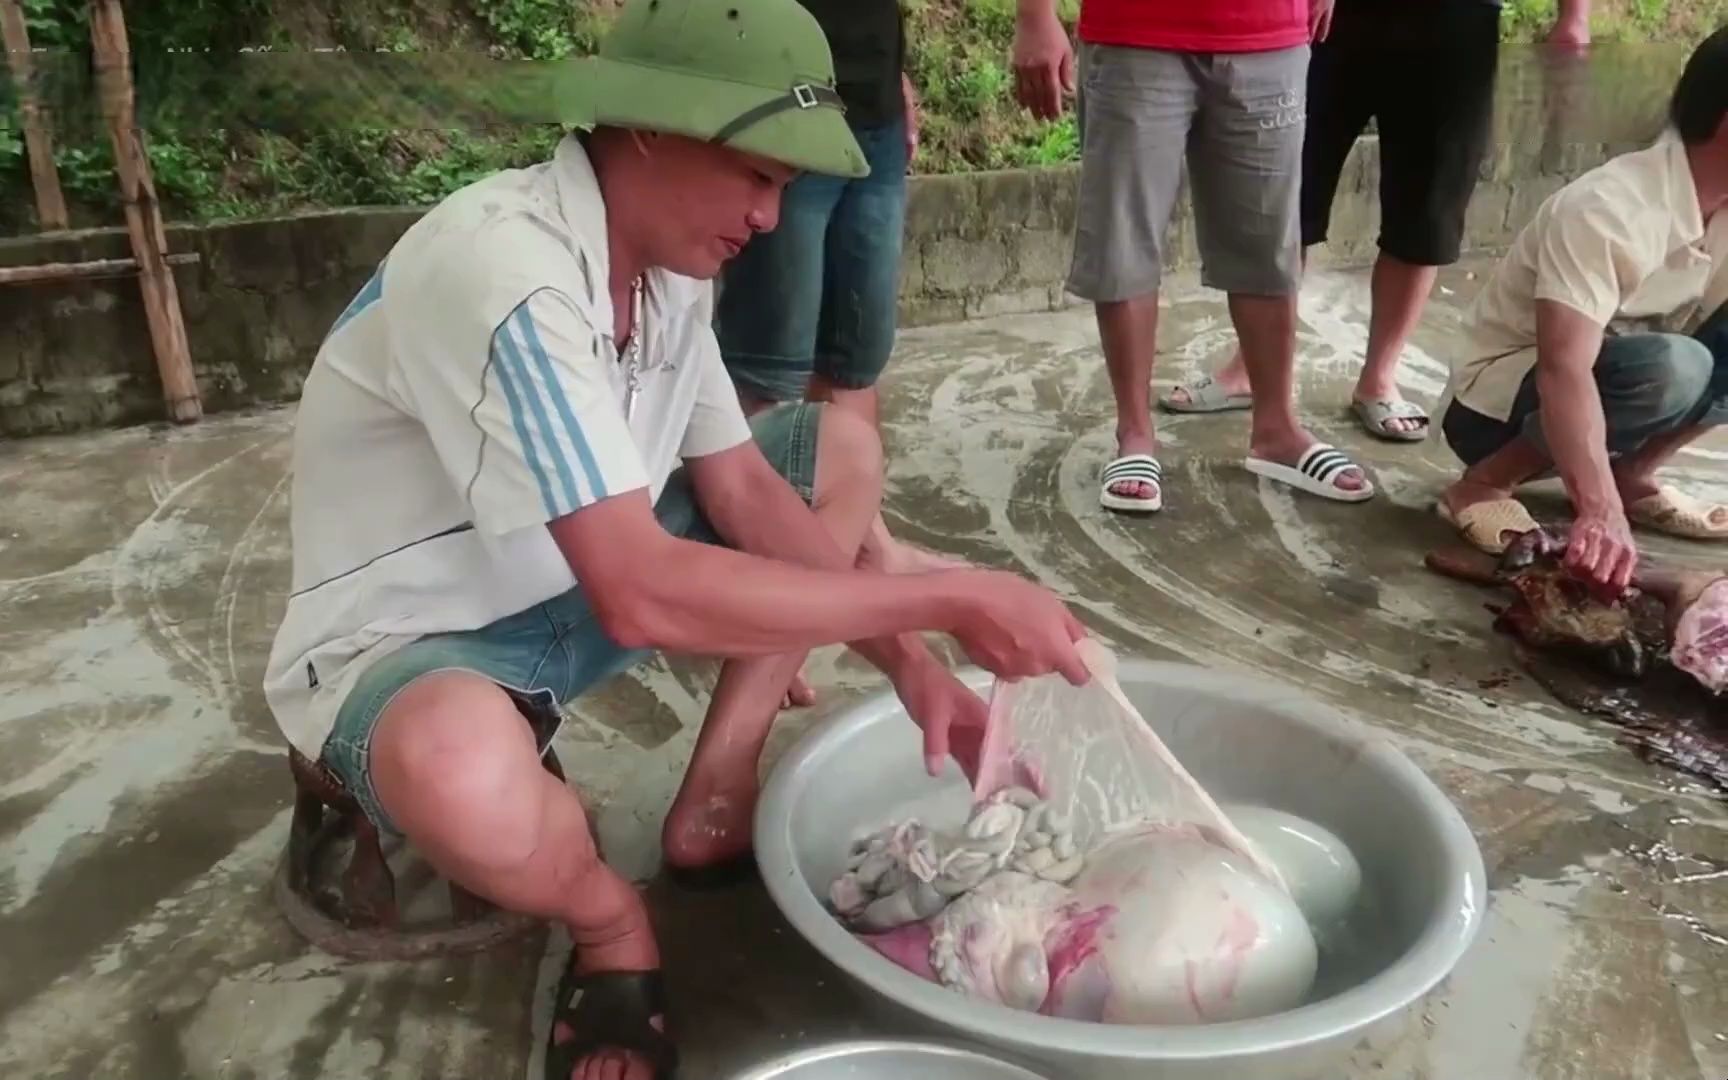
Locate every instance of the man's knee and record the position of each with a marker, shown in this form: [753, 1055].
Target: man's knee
[849, 457]
[1657, 378]
[452, 754]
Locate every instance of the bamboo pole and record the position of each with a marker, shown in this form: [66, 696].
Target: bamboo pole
[71, 271]
[38, 136]
[143, 212]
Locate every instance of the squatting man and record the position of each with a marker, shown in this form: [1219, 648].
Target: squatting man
[520, 467]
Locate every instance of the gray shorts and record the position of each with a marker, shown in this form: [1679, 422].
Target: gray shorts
[1237, 119]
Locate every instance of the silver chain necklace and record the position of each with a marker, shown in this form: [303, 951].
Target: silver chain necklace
[633, 350]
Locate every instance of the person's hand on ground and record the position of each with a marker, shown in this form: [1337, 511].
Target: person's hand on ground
[950, 713]
[1319, 19]
[1017, 630]
[910, 93]
[1601, 550]
[1043, 64]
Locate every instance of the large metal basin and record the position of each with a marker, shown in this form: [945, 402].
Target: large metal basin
[888, 1060]
[1248, 742]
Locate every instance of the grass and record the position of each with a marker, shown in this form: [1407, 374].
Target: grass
[959, 60]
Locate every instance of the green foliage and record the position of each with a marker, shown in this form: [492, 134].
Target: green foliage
[959, 61]
[536, 29]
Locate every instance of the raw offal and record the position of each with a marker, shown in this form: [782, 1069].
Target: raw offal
[1094, 879]
[1701, 637]
[1669, 705]
[909, 871]
[1323, 875]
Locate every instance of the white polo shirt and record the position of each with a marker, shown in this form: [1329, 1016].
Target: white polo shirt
[1625, 245]
[470, 394]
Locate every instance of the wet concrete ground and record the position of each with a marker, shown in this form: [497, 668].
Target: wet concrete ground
[144, 795]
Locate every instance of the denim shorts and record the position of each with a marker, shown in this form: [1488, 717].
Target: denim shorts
[553, 652]
[819, 295]
[1649, 384]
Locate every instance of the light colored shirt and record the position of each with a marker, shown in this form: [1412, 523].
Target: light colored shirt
[471, 394]
[1625, 245]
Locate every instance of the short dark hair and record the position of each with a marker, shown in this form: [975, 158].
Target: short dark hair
[1701, 96]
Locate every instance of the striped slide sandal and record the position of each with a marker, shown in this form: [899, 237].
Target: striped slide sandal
[1130, 467]
[1315, 472]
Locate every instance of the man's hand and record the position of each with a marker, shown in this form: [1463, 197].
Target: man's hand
[1601, 550]
[1043, 61]
[1016, 630]
[951, 714]
[910, 93]
[1571, 31]
[1319, 19]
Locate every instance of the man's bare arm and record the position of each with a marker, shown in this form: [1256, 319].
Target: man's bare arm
[1043, 59]
[651, 589]
[1568, 344]
[755, 510]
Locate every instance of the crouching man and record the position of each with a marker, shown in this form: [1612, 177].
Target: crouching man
[520, 468]
[1600, 344]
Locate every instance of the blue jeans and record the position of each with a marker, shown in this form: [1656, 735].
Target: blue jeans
[819, 295]
[1650, 384]
[553, 652]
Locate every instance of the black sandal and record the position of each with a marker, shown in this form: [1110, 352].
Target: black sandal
[611, 1010]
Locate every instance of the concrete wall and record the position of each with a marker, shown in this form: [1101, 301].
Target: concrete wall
[77, 355]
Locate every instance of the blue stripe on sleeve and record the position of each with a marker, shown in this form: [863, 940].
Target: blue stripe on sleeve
[369, 294]
[508, 377]
[549, 378]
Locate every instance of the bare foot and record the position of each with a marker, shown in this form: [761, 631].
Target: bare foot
[705, 828]
[1466, 493]
[1134, 444]
[1463, 494]
[1390, 395]
[1232, 380]
[633, 952]
[1289, 451]
[609, 1062]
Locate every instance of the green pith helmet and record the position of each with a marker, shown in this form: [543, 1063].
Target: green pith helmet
[756, 75]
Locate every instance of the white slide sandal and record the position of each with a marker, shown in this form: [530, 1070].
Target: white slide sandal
[1315, 472]
[1141, 467]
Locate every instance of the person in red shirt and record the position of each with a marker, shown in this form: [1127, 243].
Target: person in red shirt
[1218, 85]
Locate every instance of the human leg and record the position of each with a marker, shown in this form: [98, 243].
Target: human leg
[768, 315]
[834, 459]
[1245, 159]
[1338, 108]
[1134, 110]
[859, 313]
[442, 742]
[1658, 392]
[1703, 372]
[860, 310]
[770, 298]
[1434, 134]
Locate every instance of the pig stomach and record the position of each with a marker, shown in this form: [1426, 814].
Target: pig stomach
[1195, 935]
